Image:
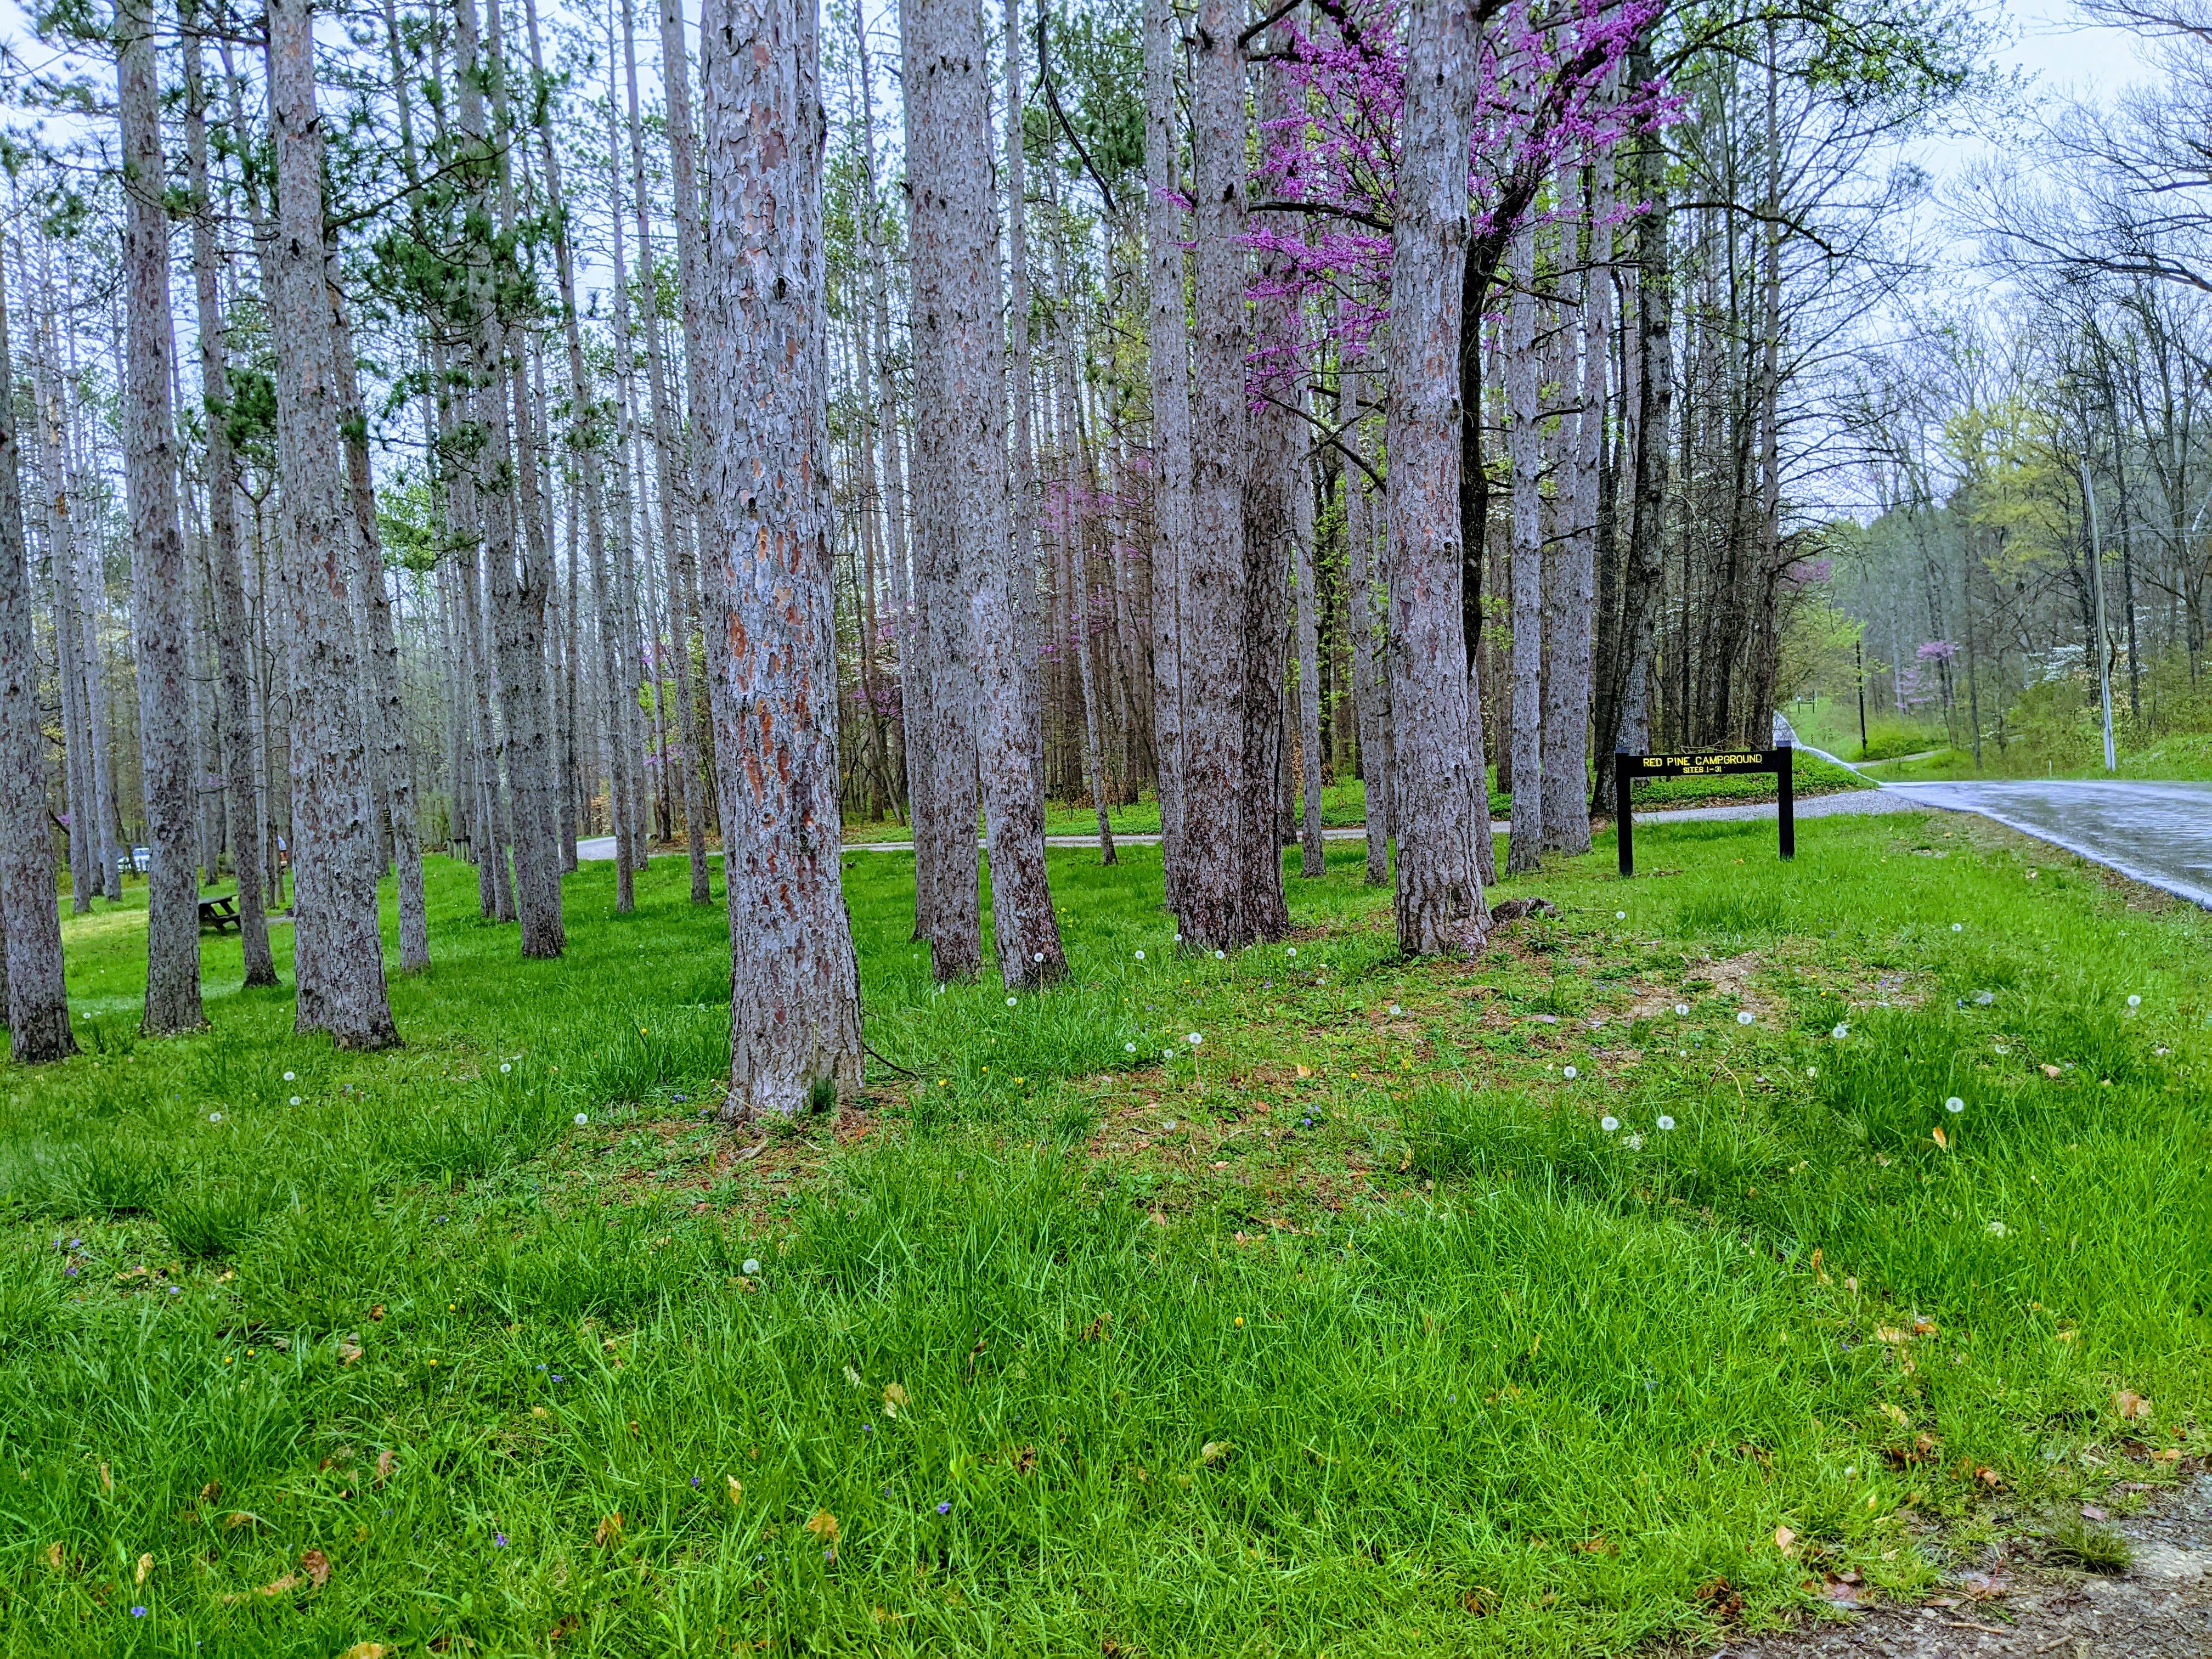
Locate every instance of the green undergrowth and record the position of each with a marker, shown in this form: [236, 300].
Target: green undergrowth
[1294, 1302]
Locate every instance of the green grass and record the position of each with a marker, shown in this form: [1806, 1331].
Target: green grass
[1350, 1329]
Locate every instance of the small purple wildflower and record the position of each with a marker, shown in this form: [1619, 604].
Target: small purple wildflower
[137, 1613]
[498, 1540]
[71, 1271]
[945, 1509]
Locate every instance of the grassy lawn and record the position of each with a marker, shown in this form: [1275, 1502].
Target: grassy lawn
[1350, 1328]
[1344, 803]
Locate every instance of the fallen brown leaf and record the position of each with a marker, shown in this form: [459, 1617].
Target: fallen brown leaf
[1722, 1599]
[365, 1650]
[1785, 1541]
[608, 1531]
[348, 1352]
[145, 1567]
[894, 1397]
[212, 1490]
[2126, 1404]
[377, 1312]
[386, 1461]
[2050, 1072]
[107, 1480]
[1478, 1602]
[318, 1567]
[54, 1557]
[737, 1488]
[823, 1526]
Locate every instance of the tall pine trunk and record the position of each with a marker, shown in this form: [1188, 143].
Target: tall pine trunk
[1210, 894]
[1524, 451]
[384, 719]
[959, 329]
[158, 569]
[332, 849]
[33, 993]
[795, 1000]
[230, 619]
[683, 754]
[1437, 804]
[944, 817]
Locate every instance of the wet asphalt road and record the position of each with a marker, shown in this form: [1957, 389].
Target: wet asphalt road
[2157, 833]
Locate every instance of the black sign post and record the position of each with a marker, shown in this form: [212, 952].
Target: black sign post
[1627, 768]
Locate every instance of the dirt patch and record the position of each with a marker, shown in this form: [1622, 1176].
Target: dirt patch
[2160, 1608]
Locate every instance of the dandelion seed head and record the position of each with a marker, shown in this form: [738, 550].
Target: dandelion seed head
[1608, 1124]
[295, 1100]
[1681, 1007]
[1010, 1002]
[1955, 1105]
[215, 1117]
[1746, 1018]
[1840, 1032]
[1568, 1073]
[505, 1066]
[582, 1118]
[290, 1077]
[2134, 1001]
[1666, 1122]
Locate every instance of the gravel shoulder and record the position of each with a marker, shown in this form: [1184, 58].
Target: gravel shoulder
[2006, 1606]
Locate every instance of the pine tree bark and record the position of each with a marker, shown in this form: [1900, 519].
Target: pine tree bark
[699, 598]
[683, 752]
[85, 878]
[32, 991]
[795, 1001]
[1524, 453]
[231, 622]
[959, 328]
[1312, 848]
[1211, 893]
[520, 578]
[1567, 687]
[1624, 716]
[1023, 485]
[159, 574]
[1440, 906]
[384, 719]
[1368, 611]
[584, 441]
[332, 855]
[951, 683]
[1270, 557]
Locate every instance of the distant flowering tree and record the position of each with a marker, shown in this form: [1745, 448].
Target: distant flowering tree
[1325, 197]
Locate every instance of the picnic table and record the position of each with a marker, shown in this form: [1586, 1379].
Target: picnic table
[219, 912]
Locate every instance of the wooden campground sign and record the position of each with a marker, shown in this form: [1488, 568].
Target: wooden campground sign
[1627, 768]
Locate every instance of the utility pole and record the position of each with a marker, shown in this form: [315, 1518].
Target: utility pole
[2097, 582]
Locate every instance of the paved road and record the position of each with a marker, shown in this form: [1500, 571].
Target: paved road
[2158, 833]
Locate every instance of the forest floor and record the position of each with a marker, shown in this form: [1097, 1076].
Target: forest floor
[1628, 1288]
